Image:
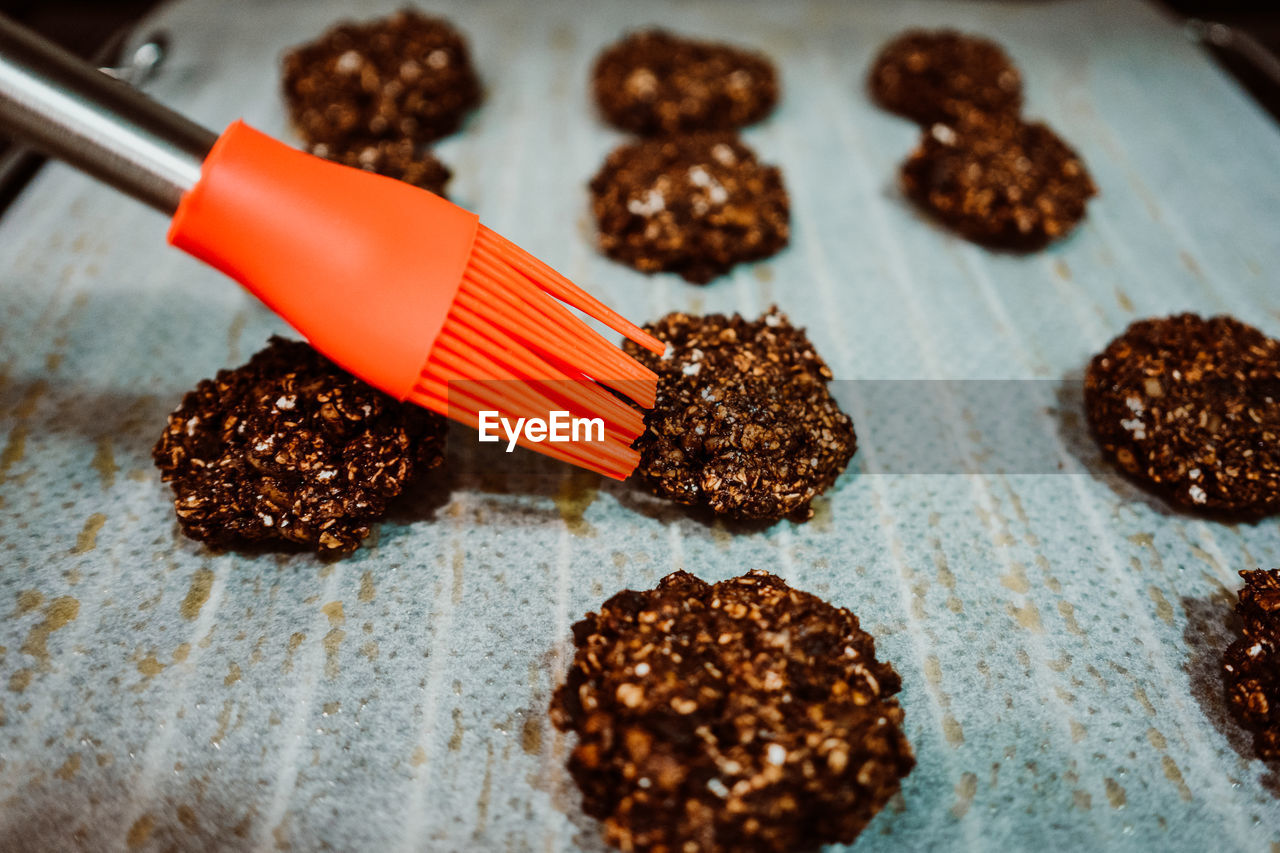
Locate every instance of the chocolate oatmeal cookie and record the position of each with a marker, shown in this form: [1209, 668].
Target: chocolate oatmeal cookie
[392, 159]
[695, 205]
[1191, 408]
[291, 448]
[740, 716]
[999, 181]
[744, 423]
[408, 76]
[655, 83]
[1251, 665]
[941, 75]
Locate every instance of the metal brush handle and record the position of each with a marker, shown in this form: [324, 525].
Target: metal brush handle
[69, 109]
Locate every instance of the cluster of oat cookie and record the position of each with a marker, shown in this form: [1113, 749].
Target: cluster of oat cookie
[738, 716]
[290, 448]
[690, 198]
[980, 168]
[1189, 408]
[373, 95]
[744, 424]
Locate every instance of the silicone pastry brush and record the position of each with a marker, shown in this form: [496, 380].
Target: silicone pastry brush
[393, 283]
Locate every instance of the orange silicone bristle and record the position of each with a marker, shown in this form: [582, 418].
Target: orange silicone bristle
[508, 346]
[566, 291]
[497, 292]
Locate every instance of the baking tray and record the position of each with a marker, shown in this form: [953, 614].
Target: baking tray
[1058, 632]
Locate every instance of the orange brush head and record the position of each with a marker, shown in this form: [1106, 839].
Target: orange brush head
[410, 293]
